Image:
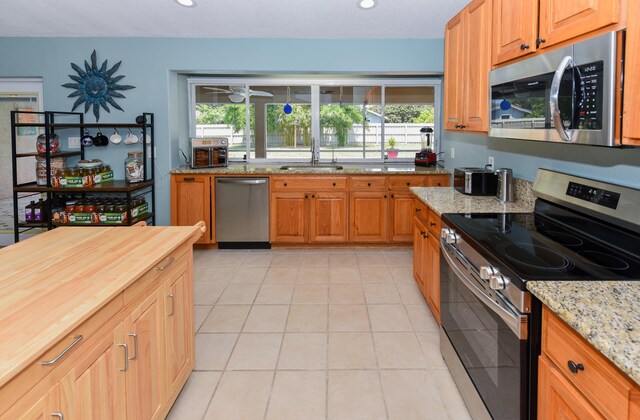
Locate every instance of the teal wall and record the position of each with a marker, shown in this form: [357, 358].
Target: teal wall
[155, 65]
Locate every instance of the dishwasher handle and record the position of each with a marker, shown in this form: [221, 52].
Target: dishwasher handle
[241, 181]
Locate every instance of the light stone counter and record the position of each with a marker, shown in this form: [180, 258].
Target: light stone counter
[349, 169]
[603, 312]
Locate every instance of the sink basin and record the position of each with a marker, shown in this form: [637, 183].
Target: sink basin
[321, 167]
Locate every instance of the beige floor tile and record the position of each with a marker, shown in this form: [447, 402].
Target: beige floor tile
[375, 274]
[255, 352]
[389, 318]
[280, 275]
[371, 259]
[229, 260]
[313, 275]
[241, 396]
[340, 274]
[355, 394]
[237, 294]
[348, 318]
[303, 351]
[267, 318]
[248, 275]
[351, 351]
[271, 294]
[226, 318]
[310, 294]
[398, 259]
[286, 260]
[199, 270]
[421, 318]
[411, 395]
[200, 314]
[205, 257]
[213, 350]
[195, 396]
[343, 260]
[449, 395]
[258, 260]
[398, 350]
[381, 293]
[402, 274]
[430, 343]
[212, 276]
[346, 293]
[297, 396]
[307, 318]
[410, 294]
[314, 259]
[206, 293]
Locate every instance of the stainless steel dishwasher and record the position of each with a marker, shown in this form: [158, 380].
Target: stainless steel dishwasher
[242, 212]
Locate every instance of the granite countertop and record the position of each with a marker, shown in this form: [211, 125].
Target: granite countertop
[603, 312]
[448, 200]
[349, 169]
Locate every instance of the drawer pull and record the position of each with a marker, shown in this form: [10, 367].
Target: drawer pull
[189, 179]
[78, 338]
[385, 196]
[126, 357]
[408, 183]
[432, 224]
[368, 184]
[575, 367]
[334, 184]
[58, 415]
[285, 184]
[524, 47]
[170, 296]
[417, 210]
[425, 235]
[135, 345]
[164, 267]
[313, 196]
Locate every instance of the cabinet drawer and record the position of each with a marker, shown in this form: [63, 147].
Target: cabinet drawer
[438, 180]
[603, 385]
[434, 223]
[405, 182]
[369, 183]
[421, 211]
[308, 183]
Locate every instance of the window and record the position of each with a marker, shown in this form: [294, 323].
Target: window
[355, 119]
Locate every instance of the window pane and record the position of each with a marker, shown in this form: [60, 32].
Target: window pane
[408, 109]
[349, 126]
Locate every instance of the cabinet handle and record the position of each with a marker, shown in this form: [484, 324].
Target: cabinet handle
[432, 224]
[285, 184]
[540, 41]
[385, 196]
[408, 183]
[135, 345]
[78, 338]
[189, 179]
[524, 47]
[425, 235]
[393, 196]
[313, 196]
[368, 184]
[439, 184]
[575, 367]
[334, 184]
[306, 196]
[164, 267]
[58, 415]
[462, 126]
[417, 210]
[170, 296]
[126, 357]
[422, 232]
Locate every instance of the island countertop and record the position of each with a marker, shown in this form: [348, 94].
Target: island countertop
[348, 169]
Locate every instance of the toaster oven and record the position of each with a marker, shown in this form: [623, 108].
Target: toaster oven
[209, 152]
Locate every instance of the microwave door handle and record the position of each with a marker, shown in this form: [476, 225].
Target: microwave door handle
[554, 105]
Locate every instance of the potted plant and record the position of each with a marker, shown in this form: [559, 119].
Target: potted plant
[392, 152]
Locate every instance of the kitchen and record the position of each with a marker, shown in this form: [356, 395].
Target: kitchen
[161, 67]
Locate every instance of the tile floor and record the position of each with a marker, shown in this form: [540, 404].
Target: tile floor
[314, 334]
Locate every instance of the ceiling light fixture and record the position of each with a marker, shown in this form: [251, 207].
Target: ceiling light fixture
[367, 4]
[186, 3]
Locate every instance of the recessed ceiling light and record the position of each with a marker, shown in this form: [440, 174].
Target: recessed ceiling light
[186, 3]
[367, 4]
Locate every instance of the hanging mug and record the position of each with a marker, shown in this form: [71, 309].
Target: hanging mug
[87, 139]
[131, 138]
[115, 138]
[100, 139]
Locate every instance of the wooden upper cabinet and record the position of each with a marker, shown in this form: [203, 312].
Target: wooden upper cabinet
[328, 217]
[453, 72]
[515, 29]
[191, 202]
[631, 107]
[566, 19]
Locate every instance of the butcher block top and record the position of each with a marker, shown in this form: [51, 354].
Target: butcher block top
[53, 282]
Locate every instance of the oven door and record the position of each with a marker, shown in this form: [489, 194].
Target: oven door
[487, 340]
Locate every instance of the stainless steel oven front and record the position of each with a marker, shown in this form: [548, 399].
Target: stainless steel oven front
[484, 338]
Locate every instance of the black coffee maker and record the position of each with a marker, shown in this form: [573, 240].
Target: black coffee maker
[426, 156]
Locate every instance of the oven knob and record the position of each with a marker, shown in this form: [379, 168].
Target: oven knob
[487, 271]
[498, 281]
[452, 238]
[444, 232]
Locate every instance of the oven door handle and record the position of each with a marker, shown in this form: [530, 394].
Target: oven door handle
[516, 322]
[554, 102]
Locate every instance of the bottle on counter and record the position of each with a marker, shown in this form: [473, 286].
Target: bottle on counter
[28, 211]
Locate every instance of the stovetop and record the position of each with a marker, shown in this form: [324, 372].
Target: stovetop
[552, 243]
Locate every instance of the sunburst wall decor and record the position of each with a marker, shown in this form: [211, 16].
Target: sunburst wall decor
[96, 86]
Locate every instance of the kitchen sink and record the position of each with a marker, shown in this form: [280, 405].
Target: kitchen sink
[319, 167]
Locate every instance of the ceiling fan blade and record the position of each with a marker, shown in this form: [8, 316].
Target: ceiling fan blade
[260, 93]
[216, 89]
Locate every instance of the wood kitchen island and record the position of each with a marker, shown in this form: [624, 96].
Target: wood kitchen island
[96, 322]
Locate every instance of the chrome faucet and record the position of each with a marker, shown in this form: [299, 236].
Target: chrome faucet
[314, 152]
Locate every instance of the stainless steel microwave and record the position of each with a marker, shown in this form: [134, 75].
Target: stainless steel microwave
[567, 95]
[209, 152]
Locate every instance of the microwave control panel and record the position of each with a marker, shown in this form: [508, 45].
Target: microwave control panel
[590, 88]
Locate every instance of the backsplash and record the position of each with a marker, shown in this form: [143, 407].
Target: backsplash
[524, 191]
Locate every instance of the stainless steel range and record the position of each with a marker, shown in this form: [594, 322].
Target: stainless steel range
[581, 229]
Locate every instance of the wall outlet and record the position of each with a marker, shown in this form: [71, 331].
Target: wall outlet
[74, 142]
[452, 153]
[490, 162]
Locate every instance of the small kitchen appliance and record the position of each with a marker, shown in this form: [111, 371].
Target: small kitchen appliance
[426, 156]
[475, 181]
[209, 152]
[505, 185]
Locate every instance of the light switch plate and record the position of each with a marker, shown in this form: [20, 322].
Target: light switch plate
[74, 142]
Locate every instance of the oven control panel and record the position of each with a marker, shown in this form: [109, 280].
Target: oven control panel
[594, 195]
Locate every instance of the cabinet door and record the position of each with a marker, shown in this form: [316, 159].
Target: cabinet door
[631, 109]
[401, 210]
[432, 273]
[328, 217]
[453, 73]
[95, 386]
[45, 408]
[419, 242]
[191, 202]
[144, 335]
[368, 216]
[557, 398]
[515, 29]
[288, 220]
[179, 330]
[566, 19]
[477, 63]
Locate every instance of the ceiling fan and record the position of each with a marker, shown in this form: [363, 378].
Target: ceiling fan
[237, 93]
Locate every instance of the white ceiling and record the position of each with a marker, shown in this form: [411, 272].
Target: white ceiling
[318, 19]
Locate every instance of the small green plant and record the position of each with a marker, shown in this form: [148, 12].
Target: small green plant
[392, 143]
[392, 152]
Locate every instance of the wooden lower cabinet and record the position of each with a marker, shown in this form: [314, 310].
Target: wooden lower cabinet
[368, 216]
[401, 210]
[192, 201]
[45, 408]
[328, 217]
[420, 243]
[288, 222]
[433, 274]
[426, 257]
